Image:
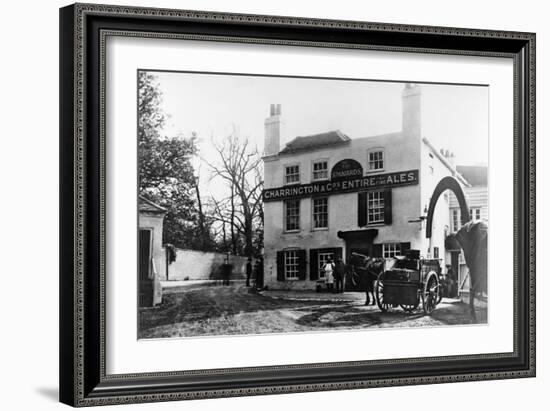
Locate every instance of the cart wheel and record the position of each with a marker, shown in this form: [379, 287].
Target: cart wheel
[430, 294]
[379, 288]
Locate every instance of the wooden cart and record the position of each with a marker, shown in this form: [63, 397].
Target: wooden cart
[408, 283]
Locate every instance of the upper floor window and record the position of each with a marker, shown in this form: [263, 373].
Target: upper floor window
[320, 170]
[375, 159]
[320, 212]
[375, 207]
[292, 174]
[292, 215]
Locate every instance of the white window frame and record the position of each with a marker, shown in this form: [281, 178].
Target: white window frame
[380, 207]
[475, 213]
[285, 216]
[455, 219]
[286, 175]
[383, 160]
[318, 161]
[291, 265]
[322, 258]
[390, 250]
[314, 213]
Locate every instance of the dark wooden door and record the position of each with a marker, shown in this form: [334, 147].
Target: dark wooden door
[144, 259]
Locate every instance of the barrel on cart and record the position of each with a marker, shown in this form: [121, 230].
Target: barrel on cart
[412, 280]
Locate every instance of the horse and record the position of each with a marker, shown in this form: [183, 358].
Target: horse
[472, 238]
[365, 271]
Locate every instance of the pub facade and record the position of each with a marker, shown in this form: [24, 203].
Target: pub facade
[328, 195]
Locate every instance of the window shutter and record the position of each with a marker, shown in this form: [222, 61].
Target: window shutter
[302, 264]
[313, 268]
[405, 247]
[377, 250]
[362, 209]
[280, 265]
[387, 207]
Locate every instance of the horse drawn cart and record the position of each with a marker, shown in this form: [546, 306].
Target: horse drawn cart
[410, 281]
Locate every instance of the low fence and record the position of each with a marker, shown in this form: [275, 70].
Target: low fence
[199, 265]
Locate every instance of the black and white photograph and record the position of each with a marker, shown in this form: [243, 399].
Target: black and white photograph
[273, 204]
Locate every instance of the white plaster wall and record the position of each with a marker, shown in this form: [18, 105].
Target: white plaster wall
[478, 197]
[200, 265]
[402, 152]
[428, 182]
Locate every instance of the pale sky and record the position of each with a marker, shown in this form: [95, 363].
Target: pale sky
[453, 117]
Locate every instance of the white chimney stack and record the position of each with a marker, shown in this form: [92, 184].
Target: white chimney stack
[273, 130]
[412, 110]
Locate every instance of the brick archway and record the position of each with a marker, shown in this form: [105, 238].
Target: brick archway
[447, 183]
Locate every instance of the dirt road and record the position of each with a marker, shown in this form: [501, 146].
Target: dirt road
[229, 310]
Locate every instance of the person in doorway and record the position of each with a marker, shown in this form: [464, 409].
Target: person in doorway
[329, 275]
[452, 283]
[339, 273]
[248, 271]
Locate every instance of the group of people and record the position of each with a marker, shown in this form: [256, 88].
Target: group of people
[255, 271]
[334, 275]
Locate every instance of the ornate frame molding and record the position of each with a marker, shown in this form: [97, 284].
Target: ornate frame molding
[83, 42]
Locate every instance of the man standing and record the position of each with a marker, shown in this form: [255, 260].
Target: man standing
[329, 275]
[339, 272]
[248, 271]
[451, 282]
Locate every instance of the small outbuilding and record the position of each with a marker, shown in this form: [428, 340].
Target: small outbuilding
[151, 258]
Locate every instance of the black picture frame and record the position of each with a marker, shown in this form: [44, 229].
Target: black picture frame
[83, 381]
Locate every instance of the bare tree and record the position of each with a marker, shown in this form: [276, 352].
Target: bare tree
[240, 166]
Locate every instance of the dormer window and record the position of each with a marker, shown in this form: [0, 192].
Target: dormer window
[375, 159]
[292, 174]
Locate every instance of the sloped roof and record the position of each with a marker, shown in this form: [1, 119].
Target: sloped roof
[148, 205]
[315, 141]
[475, 175]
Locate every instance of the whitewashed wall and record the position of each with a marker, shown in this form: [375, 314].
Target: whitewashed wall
[199, 265]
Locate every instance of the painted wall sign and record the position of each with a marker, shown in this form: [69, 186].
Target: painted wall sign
[351, 184]
[345, 169]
